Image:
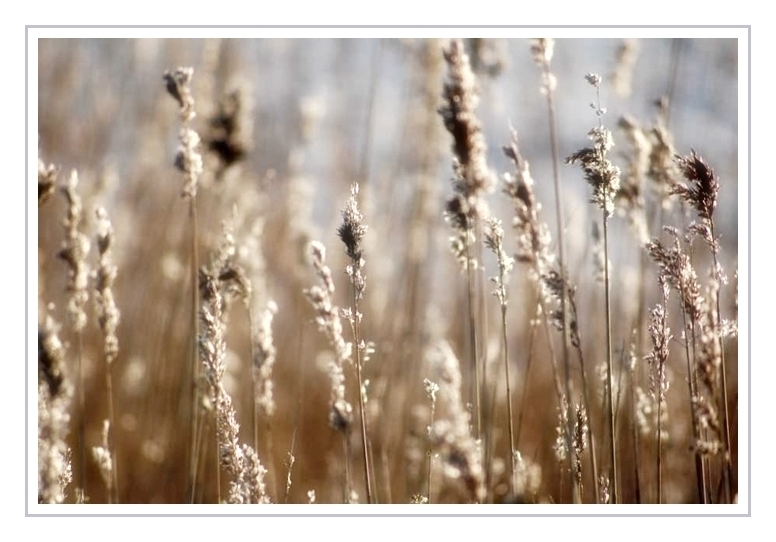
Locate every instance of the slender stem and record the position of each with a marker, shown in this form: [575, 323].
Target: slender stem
[113, 492]
[346, 445]
[561, 261]
[473, 347]
[524, 393]
[218, 450]
[81, 419]
[270, 455]
[510, 418]
[254, 385]
[728, 470]
[609, 370]
[699, 466]
[195, 422]
[590, 433]
[660, 443]
[256, 418]
[357, 337]
[635, 435]
[299, 392]
[202, 430]
[430, 455]
[290, 465]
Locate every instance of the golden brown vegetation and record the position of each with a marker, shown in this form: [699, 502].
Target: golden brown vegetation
[248, 293]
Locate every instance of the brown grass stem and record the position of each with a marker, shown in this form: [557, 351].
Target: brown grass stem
[543, 51]
[471, 324]
[361, 407]
[604, 178]
[81, 419]
[351, 233]
[728, 460]
[609, 366]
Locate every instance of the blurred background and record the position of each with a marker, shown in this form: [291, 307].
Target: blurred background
[309, 118]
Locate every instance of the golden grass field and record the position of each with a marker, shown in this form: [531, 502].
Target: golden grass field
[387, 271]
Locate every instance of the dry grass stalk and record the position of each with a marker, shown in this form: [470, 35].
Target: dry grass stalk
[264, 354]
[630, 199]
[675, 269]
[105, 461]
[262, 311]
[604, 178]
[556, 301]
[351, 232]
[241, 461]
[451, 434]
[494, 240]
[432, 388]
[533, 239]
[74, 252]
[542, 50]
[581, 439]
[189, 160]
[663, 169]
[108, 316]
[702, 195]
[658, 382]
[55, 393]
[327, 317]
[472, 180]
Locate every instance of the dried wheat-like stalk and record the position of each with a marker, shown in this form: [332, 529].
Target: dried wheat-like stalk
[432, 388]
[702, 195]
[676, 270]
[241, 461]
[658, 382]
[471, 181]
[327, 317]
[580, 441]
[105, 460]
[542, 50]
[74, 252]
[451, 435]
[55, 393]
[534, 248]
[108, 316]
[264, 355]
[494, 240]
[461, 98]
[604, 178]
[189, 160]
[351, 232]
[75, 249]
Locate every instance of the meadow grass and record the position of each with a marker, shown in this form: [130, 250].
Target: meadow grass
[330, 311]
